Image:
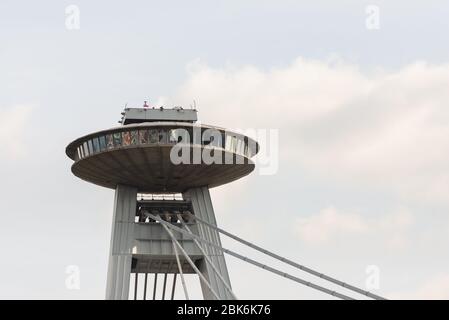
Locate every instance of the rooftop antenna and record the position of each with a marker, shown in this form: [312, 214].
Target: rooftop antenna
[194, 105]
[123, 113]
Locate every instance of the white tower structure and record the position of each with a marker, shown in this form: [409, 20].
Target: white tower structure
[161, 164]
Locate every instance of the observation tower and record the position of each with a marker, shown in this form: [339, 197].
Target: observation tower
[161, 164]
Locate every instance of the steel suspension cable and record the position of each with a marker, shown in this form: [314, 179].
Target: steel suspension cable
[167, 225]
[194, 267]
[180, 271]
[292, 263]
[208, 260]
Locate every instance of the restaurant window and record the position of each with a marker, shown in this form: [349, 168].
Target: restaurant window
[163, 136]
[154, 136]
[239, 148]
[178, 135]
[96, 145]
[91, 149]
[102, 140]
[208, 141]
[172, 136]
[86, 150]
[134, 137]
[143, 136]
[212, 137]
[109, 141]
[126, 138]
[117, 139]
[228, 142]
[231, 143]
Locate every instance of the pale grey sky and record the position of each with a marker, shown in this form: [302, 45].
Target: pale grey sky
[362, 115]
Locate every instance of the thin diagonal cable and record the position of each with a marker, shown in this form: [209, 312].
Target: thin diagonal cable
[294, 264]
[194, 267]
[208, 260]
[258, 264]
[180, 271]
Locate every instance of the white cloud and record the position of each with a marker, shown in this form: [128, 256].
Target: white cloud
[385, 131]
[380, 129]
[330, 224]
[13, 122]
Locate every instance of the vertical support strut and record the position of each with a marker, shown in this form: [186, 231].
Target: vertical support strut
[155, 286]
[120, 256]
[165, 284]
[145, 287]
[135, 285]
[173, 287]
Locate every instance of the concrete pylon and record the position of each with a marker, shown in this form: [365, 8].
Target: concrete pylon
[126, 238]
[202, 207]
[122, 237]
[140, 157]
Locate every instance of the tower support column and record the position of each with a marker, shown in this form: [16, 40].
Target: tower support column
[202, 207]
[120, 256]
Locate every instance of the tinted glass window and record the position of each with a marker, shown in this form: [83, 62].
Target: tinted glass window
[86, 150]
[109, 141]
[102, 140]
[117, 139]
[172, 136]
[178, 135]
[154, 135]
[134, 137]
[126, 138]
[212, 137]
[228, 142]
[143, 136]
[231, 143]
[91, 149]
[240, 146]
[96, 144]
[163, 136]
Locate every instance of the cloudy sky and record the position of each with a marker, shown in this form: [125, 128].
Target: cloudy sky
[356, 90]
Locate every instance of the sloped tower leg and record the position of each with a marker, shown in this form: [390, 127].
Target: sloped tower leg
[120, 257]
[202, 207]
